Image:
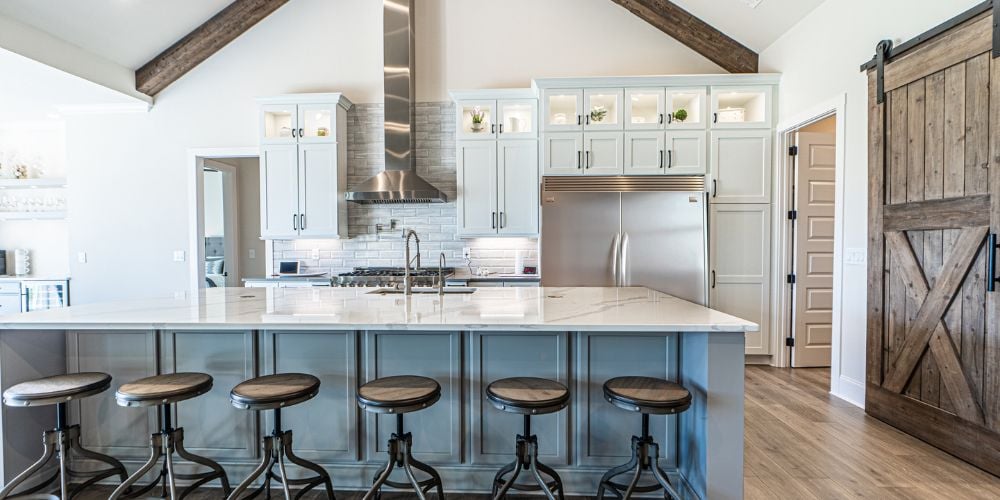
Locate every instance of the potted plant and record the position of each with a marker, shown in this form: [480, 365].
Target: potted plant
[680, 115]
[478, 119]
[597, 113]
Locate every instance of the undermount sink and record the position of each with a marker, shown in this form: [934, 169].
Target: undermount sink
[422, 290]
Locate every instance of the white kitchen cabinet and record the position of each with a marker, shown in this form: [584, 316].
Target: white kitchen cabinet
[686, 152]
[517, 119]
[303, 167]
[10, 303]
[665, 108]
[739, 258]
[740, 166]
[498, 119]
[562, 110]
[498, 188]
[603, 153]
[644, 153]
[665, 153]
[741, 107]
[644, 109]
[603, 109]
[692, 101]
[476, 119]
[562, 153]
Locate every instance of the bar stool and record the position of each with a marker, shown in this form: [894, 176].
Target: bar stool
[163, 391]
[527, 396]
[399, 395]
[649, 396]
[59, 442]
[274, 392]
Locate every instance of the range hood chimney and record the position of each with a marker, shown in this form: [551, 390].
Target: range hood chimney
[399, 182]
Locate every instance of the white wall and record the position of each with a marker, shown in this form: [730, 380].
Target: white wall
[820, 59]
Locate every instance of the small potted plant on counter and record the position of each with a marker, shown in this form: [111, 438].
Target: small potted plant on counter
[478, 119]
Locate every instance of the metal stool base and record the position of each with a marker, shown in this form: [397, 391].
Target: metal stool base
[278, 447]
[527, 461]
[58, 444]
[163, 445]
[400, 455]
[645, 458]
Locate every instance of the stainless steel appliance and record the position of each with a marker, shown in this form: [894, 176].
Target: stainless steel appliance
[40, 295]
[626, 231]
[390, 277]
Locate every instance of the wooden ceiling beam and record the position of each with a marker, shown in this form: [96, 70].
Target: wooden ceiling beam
[698, 35]
[200, 44]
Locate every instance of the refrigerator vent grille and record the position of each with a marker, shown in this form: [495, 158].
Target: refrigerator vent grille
[651, 183]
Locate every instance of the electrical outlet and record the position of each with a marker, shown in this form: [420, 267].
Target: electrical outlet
[253, 253]
[315, 254]
[466, 253]
[855, 256]
[179, 256]
[81, 257]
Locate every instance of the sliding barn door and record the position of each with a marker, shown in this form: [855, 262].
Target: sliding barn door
[933, 344]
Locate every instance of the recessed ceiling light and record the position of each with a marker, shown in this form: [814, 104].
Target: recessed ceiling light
[752, 3]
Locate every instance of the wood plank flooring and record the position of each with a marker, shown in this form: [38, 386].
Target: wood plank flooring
[802, 443]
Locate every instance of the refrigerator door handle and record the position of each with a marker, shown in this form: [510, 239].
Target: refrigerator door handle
[615, 256]
[625, 280]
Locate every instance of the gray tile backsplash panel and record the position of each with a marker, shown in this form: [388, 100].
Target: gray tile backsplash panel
[434, 222]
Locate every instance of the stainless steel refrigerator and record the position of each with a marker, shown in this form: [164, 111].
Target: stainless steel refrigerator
[621, 231]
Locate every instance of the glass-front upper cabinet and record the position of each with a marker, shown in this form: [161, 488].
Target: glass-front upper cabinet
[644, 109]
[517, 118]
[686, 108]
[741, 107]
[279, 124]
[476, 120]
[562, 110]
[316, 122]
[603, 109]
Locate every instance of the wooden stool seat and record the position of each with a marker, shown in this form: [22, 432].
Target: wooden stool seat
[399, 394]
[274, 391]
[528, 395]
[163, 389]
[647, 395]
[56, 389]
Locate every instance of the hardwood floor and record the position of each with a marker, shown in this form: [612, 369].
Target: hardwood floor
[803, 444]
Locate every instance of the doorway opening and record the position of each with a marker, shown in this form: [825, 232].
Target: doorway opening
[226, 247]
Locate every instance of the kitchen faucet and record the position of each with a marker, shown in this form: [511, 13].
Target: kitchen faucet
[407, 277]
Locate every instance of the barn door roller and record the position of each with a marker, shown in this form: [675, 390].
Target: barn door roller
[882, 51]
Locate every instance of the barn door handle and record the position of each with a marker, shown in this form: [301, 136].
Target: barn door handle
[713, 278]
[991, 264]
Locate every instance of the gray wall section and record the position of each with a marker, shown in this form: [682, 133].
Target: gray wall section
[462, 434]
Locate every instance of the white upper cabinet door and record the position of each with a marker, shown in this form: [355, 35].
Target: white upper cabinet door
[687, 109]
[739, 259]
[741, 107]
[517, 119]
[741, 166]
[644, 109]
[517, 171]
[562, 110]
[603, 153]
[477, 188]
[279, 124]
[603, 109]
[476, 120]
[318, 188]
[279, 191]
[317, 123]
[644, 153]
[686, 152]
[562, 153]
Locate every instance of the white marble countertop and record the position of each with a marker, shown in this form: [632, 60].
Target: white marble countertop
[633, 309]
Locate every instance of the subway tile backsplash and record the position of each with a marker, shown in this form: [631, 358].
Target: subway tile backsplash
[434, 222]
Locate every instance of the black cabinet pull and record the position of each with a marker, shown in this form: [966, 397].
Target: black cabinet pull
[494, 220]
[715, 117]
[502, 221]
[579, 120]
[294, 132]
[493, 128]
[991, 263]
[661, 158]
[587, 163]
[670, 158]
[302, 133]
[588, 119]
[715, 188]
[501, 128]
[295, 222]
[670, 118]
[579, 162]
[713, 278]
[661, 118]
[302, 221]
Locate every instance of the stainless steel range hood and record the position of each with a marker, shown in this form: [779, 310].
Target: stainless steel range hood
[399, 182]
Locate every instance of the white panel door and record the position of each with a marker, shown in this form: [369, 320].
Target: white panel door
[603, 109]
[562, 153]
[476, 120]
[686, 151]
[517, 119]
[279, 124]
[741, 166]
[814, 197]
[644, 109]
[517, 171]
[477, 188]
[318, 217]
[741, 107]
[317, 122]
[739, 259]
[279, 191]
[644, 153]
[603, 153]
[562, 110]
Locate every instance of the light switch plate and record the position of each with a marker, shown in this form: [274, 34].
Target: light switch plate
[178, 255]
[855, 256]
[253, 253]
[81, 257]
[466, 253]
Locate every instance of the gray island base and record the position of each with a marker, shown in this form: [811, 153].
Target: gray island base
[346, 337]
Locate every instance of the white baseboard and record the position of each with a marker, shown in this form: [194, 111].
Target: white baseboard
[849, 390]
[758, 359]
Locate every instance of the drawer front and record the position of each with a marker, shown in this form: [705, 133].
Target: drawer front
[7, 287]
[10, 304]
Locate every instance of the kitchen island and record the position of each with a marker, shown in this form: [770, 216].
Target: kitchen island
[347, 336]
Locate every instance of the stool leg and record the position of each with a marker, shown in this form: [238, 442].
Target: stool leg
[49, 440]
[116, 468]
[435, 477]
[409, 474]
[156, 445]
[322, 476]
[284, 474]
[267, 444]
[380, 479]
[502, 493]
[217, 470]
[661, 477]
[170, 467]
[621, 469]
[499, 475]
[533, 466]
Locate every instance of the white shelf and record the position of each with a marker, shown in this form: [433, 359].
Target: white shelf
[49, 215]
[54, 182]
